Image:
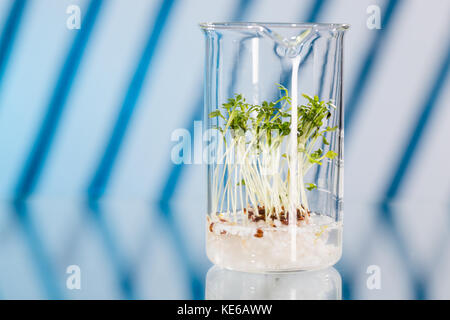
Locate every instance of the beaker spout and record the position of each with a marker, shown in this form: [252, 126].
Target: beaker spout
[288, 41]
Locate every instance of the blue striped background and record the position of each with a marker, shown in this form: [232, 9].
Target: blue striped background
[87, 114]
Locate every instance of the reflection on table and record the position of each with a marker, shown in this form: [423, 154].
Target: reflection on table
[222, 284]
[130, 249]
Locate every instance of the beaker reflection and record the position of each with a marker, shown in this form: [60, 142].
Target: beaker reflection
[223, 284]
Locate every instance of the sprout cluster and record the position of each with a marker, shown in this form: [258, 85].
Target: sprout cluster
[256, 135]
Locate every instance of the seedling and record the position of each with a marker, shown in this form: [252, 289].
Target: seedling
[256, 170]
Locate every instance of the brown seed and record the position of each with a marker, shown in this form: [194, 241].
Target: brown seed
[259, 218]
[223, 232]
[259, 233]
[211, 226]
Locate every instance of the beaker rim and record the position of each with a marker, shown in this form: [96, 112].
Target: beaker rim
[258, 25]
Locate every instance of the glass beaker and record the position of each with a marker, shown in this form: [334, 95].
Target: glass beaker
[275, 171]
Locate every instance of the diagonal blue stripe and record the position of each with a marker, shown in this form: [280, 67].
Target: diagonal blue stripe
[36, 160]
[241, 10]
[9, 33]
[421, 124]
[387, 217]
[119, 264]
[176, 171]
[102, 174]
[195, 280]
[315, 10]
[347, 292]
[368, 64]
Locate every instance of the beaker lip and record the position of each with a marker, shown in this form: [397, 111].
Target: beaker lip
[258, 25]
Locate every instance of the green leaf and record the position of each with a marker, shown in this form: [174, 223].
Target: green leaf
[310, 186]
[331, 154]
[214, 114]
[329, 129]
[317, 154]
